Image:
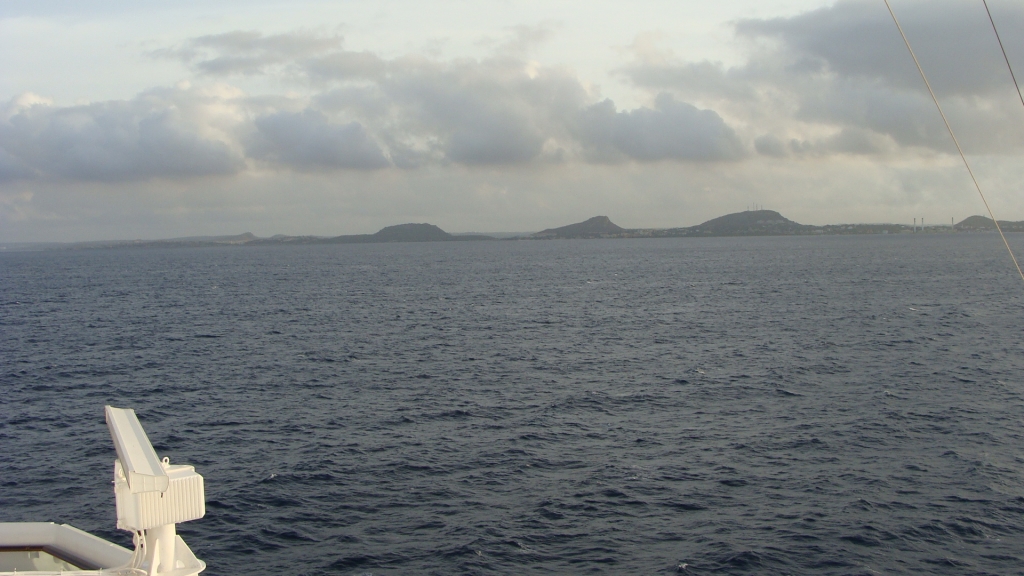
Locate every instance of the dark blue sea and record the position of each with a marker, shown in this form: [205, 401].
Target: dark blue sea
[794, 405]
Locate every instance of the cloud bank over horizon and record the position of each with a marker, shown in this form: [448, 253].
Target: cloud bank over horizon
[826, 119]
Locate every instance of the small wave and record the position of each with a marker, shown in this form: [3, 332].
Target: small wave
[686, 506]
[862, 541]
[349, 562]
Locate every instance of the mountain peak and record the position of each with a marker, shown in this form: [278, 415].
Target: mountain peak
[748, 223]
[411, 233]
[592, 228]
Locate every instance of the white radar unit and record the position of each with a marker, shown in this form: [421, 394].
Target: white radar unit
[152, 495]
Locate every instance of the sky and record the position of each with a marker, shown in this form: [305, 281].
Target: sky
[141, 119]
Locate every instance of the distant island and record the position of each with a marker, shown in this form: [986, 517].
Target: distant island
[596, 227]
[397, 233]
[983, 224]
[757, 223]
[747, 223]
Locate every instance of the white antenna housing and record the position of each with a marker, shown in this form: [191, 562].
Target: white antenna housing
[141, 467]
[152, 496]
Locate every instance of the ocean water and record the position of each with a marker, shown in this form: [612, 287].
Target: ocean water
[796, 405]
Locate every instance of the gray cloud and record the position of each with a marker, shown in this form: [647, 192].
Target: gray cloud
[845, 67]
[671, 131]
[308, 141]
[852, 69]
[847, 141]
[858, 39]
[12, 169]
[368, 114]
[249, 52]
[490, 112]
[367, 102]
[909, 117]
[770, 145]
[137, 139]
[698, 77]
[345, 65]
[489, 136]
[855, 141]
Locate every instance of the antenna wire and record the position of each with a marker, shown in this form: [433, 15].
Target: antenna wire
[1005, 57]
[953, 136]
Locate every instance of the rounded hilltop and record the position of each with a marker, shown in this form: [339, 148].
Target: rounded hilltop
[749, 223]
[596, 227]
[411, 233]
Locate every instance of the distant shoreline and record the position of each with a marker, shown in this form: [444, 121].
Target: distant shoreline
[748, 223]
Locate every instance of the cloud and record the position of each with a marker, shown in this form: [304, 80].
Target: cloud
[849, 141]
[671, 131]
[490, 112]
[492, 136]
[909, 117]
[524, 39]
[695, 77]
[853, 141]
[858, 39]
[770, 145]
[494, 111]
[12, 169]
[147, 137]
[317, 56]
[249, 52]
[832, 81]
[308, 141]
[862, 77]
[825, 119]
[345, 65]
[843, 69]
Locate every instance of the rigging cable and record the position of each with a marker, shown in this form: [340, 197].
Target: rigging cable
[1005, 57]
[953, 136]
